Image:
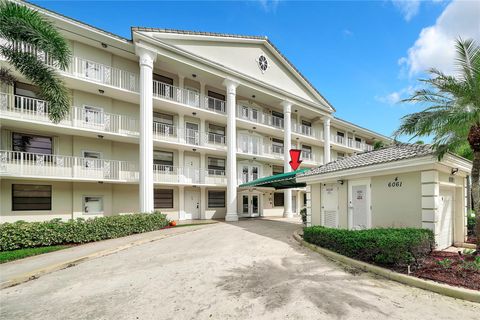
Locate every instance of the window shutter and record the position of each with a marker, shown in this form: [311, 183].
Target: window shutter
[6, 141]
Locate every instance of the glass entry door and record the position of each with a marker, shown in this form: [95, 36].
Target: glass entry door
[250, 205]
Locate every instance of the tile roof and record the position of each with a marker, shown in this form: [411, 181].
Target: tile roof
[400, 151]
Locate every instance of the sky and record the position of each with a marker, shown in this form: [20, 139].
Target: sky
[363, 56]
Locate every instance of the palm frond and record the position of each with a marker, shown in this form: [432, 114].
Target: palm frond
[45, 77]
[20, 23]
[7, 77]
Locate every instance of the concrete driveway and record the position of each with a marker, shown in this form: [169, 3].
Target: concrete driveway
[246, 270]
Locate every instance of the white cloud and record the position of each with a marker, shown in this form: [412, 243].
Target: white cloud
[408, 8]
[396, 96]
[269, 5]
[435, 46]
[347, 33]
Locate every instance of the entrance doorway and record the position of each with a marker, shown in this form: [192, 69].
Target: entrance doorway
[359, 204]
[250, 205]
[192, 204]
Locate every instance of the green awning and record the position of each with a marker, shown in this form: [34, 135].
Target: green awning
[278, 181]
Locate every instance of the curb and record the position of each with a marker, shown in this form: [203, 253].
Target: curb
[443, 289]
[73, 262]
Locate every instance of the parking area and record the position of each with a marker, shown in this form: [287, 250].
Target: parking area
[251, 269]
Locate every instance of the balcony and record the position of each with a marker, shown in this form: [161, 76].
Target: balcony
[86, 69]
[307, 131]
[351, 143]
[189, 176]
[25, 108]
[170, 133]
[260, 117]
[187, 97]
[36, 165]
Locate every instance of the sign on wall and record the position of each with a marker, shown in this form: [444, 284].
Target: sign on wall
[396, 183]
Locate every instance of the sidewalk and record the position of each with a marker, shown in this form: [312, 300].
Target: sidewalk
[15, 272]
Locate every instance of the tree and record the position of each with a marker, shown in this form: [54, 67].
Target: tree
[23, 27]
[378, 144]
[452, 113]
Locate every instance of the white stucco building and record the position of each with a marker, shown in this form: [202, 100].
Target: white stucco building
[168, 120]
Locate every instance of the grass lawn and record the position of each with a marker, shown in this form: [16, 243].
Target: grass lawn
[6, 256]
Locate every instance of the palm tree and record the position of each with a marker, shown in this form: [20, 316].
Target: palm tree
[23, 27]
[452, 115]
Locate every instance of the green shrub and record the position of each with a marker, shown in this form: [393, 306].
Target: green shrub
[22, 234]
[388, 247]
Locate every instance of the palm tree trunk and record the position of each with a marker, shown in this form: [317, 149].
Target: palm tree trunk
[476, 194]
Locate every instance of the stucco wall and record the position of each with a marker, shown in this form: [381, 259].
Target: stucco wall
[316, 203]
[61, 202]
[397, 206]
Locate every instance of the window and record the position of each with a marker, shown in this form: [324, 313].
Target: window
[92, 115]
[163, 158]
[93, 205]
[358, 139]
[278, 199]
[91, 156]
[306, 152]
[31, 197]
[277, 145]
[163, 198]
[277, 114]
[216, 199]
[163, 79]
[163, 86]
[31, 143]
[277, 170]
[340, 155]
[163, 123]
[216, 166]
[306, 123]
[216, 95]
[26, 90]
[216, 134]
[340, 134]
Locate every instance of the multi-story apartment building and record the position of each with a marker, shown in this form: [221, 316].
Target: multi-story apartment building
[167, 120]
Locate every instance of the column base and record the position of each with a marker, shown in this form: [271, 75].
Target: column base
[288, 214]
[231, 217]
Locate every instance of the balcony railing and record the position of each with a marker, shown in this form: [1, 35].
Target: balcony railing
[306, 131]
[104, 74]
[26, 164]
[35, 109]
[86, 69]
[187, 97]
[260, 117]
[351, 143]
[171, 133]
[184, 175]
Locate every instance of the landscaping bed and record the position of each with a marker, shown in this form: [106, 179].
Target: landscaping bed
[21, 235]
[451, 268]
[401, 250]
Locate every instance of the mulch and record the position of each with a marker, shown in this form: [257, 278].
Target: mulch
[456, 274]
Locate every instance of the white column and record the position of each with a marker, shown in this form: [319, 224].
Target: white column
[287, 145]
[181, 128]
[202, 94]
[326, 140]
[202, 133]
[203, 168]
[203, 202]
[231, 87]
[181, 203]
[146, 129]
[181, 166]
[181, 81]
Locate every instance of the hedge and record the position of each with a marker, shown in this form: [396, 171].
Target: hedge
[21, 234]
[393, 247]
